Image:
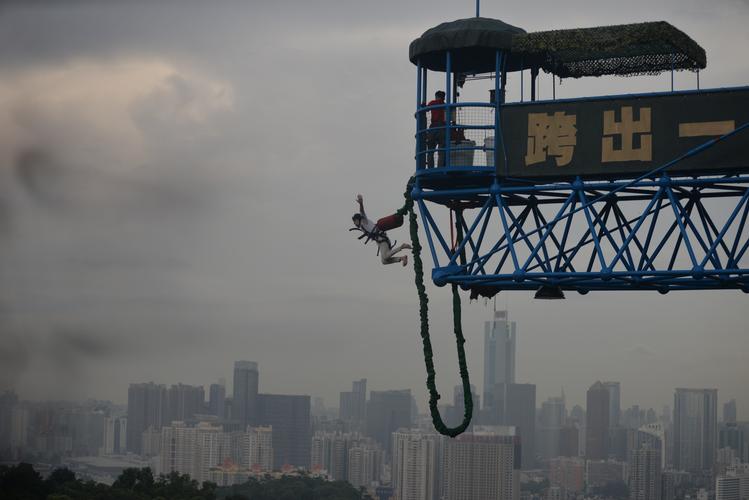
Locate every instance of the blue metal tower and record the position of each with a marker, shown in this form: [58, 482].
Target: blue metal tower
[630, 192]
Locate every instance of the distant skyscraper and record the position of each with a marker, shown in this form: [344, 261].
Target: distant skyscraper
[499, 354]
[388, 411]
[245, 400]
[453, 414]
[415, 465]
[695, 429]
[550, 422]
[217, 400]
[614, 389]
[729, 412]
[597, 422]
[479, 466]
[569, 441]
[289, 416]
[353, 404]
[734, 436]
[652, 436]
[515, 405]
[645, 474]
[147, 406]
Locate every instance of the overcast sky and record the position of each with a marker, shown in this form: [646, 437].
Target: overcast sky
[177, 181]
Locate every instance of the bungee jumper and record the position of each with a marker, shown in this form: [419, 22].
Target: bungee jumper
[376, 232]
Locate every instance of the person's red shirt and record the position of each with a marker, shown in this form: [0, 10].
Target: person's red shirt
[438, 115]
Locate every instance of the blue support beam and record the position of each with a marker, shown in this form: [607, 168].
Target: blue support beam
[670, 236]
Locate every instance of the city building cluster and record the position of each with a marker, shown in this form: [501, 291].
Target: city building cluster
[377, 441]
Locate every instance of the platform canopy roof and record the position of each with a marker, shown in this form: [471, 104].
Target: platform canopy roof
[626, 49]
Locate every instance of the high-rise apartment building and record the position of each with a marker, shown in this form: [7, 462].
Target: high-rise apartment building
[113, 441]
[364, 463]
[178, 443]
[645, 474]
[695, 429]
[245, 400]
[258, 449]
[330, 452]
[480, 465]
[147, 406]
[499, 354]
[614, 389]
[196, 450]
[597, 422]
[728, 488]
[415, 465]
[289, 416]
[388, 411]
[346, 456]
[185, 401]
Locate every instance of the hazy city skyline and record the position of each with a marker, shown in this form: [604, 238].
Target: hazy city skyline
[177, 187]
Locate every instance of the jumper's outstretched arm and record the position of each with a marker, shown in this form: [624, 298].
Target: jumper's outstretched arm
[360, 201]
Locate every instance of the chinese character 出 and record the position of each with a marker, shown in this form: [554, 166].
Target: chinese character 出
[626, 128]
[552, 135]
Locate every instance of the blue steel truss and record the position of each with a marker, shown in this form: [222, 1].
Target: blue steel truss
[651, 234]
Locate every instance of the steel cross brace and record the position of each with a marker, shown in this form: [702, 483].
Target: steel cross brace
[657, 234]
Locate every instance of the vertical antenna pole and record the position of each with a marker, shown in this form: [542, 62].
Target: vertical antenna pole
[477, 8]
[448, 103]
[419, 119]
[522, 84]
[534, 75]
[554, 87]
[497, 135]
[698, 79]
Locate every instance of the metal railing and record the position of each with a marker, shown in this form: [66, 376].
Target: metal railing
[464, 141]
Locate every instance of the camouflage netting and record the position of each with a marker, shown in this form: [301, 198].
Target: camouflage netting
[628, 49]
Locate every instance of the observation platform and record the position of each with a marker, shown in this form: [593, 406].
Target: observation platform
[626, 192]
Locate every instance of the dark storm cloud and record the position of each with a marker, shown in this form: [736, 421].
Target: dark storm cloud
[59, 186]
[73, 344]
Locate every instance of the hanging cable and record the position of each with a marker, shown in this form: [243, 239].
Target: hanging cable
[434, 396]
